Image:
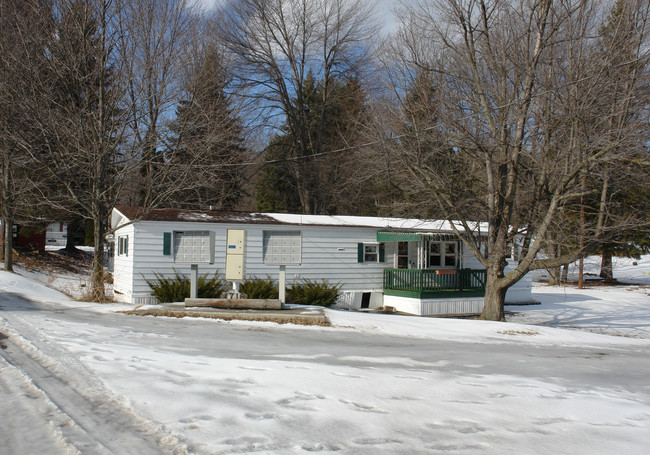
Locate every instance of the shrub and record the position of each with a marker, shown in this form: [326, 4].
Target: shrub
[308, 292]
[259, 288]
[177, 288]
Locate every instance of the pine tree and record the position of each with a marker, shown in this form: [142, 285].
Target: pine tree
[620, 183]
[331, 168]
[208, 137]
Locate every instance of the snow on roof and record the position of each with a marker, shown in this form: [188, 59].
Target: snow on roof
[219, 216]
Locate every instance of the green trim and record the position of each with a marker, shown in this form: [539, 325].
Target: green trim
[360, 252]
[389, 236]
[167, 244]
[440, 283]
[382, 252]
[398, 236]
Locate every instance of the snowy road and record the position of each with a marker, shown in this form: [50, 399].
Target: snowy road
[104, 382]
[69, 407]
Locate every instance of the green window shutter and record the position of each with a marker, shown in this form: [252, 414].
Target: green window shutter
[360, 252]
[382, 252]
[167, 243]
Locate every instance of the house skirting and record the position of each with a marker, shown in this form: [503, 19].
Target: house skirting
[358, 300]
[434, 307]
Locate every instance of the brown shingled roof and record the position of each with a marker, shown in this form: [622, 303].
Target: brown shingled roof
[207, 216]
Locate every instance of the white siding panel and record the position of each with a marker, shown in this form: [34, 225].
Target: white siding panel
[521, 291]
[123, 267]
[469, 261]
[327, 253]
[434, 307]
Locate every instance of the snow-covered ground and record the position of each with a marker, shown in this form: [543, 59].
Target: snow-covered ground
[373, 383]
[621, 310]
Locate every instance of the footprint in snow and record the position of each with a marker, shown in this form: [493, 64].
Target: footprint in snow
[232, 391]
[178, 374]
[197, 418]
[263, 416]
[320, 447]
[473, 384]
[376, 441]
[362, 407]
[346, 375]
[460, 426]
[254, 368]
[417, 378]
[297, 401]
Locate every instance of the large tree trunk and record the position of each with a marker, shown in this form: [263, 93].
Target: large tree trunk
[97, 277]
[554, 273]
[8, 245]
[73, 227]
[495, 295]
[606, 269]
[2, 242]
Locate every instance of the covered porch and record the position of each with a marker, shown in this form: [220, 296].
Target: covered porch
[430, 266]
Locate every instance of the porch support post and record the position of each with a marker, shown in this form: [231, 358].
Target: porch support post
[421, 254]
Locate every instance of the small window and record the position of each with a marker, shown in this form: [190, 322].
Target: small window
[123, 245]
[434, 255]
[450, 255]
[443, 254]
[371, 253]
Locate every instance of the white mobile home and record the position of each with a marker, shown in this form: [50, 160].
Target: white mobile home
[415, 266]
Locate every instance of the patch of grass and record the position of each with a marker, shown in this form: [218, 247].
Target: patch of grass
[308, 292]
[278, 319]
[56, 261]
[260, 288]
[177, 288]
[518, 332]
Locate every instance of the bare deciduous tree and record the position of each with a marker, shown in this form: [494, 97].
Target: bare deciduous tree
[100, 107]
[519, 121]
[154, 42]
[24, 32]
[275, 44]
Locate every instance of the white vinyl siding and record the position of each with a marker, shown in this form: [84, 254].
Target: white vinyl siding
[123, 267]
[328, 253]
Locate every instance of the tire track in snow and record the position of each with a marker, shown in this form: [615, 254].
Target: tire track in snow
[27, 410]
[90, 419]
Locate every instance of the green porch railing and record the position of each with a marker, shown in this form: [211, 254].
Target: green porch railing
[434, 283]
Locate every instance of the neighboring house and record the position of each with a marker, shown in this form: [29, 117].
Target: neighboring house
[27, 236]
[414, 266]
[56, 234]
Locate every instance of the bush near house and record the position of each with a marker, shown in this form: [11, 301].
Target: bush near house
[259, 288]
[308, 292]
[177, 288]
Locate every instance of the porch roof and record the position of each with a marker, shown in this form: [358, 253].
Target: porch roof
[396, 236]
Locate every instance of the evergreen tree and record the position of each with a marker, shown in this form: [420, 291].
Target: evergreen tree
[619, 182]
[208, 137]
[331, 168]
[25, 29]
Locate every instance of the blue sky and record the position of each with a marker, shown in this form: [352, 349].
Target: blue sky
[384, 9]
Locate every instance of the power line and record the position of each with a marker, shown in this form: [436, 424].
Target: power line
[394, 137]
